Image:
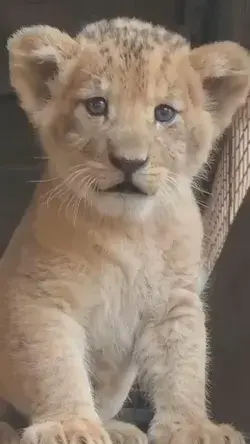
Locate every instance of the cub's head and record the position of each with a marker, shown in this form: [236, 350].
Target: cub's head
[126, 111]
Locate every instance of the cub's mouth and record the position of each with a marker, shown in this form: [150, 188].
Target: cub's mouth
[125, 187]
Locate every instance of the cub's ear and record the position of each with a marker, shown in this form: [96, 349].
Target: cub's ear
[35, 57]
[224, 70]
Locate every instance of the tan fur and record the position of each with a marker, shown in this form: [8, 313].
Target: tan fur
[98, 288]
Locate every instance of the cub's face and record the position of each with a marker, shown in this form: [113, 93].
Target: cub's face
[126, 112]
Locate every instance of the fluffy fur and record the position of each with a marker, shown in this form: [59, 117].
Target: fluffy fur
[100, 288]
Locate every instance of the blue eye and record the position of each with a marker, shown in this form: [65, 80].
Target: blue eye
[165, 113]
[96, 106]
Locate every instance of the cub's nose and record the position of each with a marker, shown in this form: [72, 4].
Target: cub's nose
[126, 165]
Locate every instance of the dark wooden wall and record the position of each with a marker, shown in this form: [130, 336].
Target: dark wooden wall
[229, 325]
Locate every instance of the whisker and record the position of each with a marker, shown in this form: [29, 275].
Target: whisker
[75, 209]
[90, 190]
[41, 157]
[196, 187]
[80, 166]
[43, 180]
[64, 184]
[58, 190]
[86, 183]
[65, 200]
[71, 201]
[91, 164]
[77, 199]
[49, 196]
[77, 204]
[172, 181]
[59, 196]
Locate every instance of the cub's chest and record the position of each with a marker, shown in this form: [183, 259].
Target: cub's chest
[120, 282]
[114, 277]
[132, 281]
[140, 261]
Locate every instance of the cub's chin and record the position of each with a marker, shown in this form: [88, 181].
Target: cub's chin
[128, 205]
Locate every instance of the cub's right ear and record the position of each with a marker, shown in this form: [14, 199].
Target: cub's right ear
[35, 57]
[224, 71]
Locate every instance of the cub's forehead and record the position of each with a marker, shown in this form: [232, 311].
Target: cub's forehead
[132, 34]
[134, 54]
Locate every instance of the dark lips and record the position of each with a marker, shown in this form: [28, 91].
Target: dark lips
[126, 188]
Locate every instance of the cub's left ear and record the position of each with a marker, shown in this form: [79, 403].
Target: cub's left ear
[224, 70]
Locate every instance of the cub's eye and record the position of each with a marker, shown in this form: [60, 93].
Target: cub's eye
[165, 113]
[96, 106]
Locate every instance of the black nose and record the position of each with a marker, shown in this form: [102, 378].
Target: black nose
[126, 165]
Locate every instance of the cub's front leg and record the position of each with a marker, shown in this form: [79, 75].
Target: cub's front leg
[171, 353]
[45, 375]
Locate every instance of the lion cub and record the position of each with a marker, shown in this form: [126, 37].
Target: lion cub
[99, 283]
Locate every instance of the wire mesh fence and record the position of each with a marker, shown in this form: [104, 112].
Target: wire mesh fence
[230, 184]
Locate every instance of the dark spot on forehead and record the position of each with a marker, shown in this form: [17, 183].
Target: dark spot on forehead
[109, 60]
[104, 51]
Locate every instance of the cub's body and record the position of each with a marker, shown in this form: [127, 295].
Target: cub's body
[111, 281]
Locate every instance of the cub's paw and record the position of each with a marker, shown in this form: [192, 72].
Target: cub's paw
[66, 432]
[8, 435]
[124, 433]
[206, 433]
